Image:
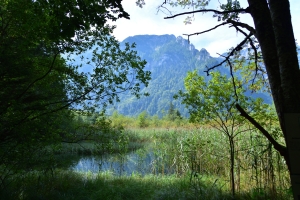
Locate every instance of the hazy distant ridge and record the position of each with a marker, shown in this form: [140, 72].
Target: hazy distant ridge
[169, 58]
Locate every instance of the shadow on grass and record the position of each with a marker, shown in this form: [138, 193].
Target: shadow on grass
[64, 185]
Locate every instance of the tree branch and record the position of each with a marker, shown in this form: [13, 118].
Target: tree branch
[210, 10]
[233, 81]
[198, 33]
[252, 30]
[237, 48]
[40, 78]
[243, 25]
[280, 148]
[162, 6]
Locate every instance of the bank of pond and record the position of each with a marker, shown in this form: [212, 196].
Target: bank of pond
[159, 164]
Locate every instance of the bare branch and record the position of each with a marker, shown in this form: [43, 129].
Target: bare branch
[198, 33]
[162, 6]
[210, 10]
[236, 25]
[233, 81]
[237, 48]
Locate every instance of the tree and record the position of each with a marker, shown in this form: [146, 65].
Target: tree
[273, 39]
[142, 119]
[40, 82]
[212, 103]
[173, 113]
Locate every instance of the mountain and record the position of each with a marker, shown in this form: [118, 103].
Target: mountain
[169, 58]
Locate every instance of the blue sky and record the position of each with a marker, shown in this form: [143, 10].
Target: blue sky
[147, 20]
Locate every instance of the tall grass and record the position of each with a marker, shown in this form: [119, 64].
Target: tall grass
[65, 185]
[259, 169]
[187, 164]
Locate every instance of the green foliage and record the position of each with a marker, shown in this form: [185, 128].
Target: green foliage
[215, 100]
[213, 103]
[229, 6]
[142, 119]
[119, 120]
[41, 83]
[189, 3]
[173, 113]
[155, 121]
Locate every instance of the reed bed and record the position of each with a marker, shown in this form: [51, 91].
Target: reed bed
[189, 163]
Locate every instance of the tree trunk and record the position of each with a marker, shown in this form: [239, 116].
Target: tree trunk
[287, 55]
[275, 35]
[232, 180]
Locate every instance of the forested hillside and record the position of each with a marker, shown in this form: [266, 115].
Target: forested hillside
[169, 58]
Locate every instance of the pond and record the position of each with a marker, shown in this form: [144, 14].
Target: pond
[139, 161]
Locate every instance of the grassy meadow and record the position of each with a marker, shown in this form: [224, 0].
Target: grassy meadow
[190, 162]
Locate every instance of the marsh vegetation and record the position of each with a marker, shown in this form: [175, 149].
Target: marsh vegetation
[182, 161]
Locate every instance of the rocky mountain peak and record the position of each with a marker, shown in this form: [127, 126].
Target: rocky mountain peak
[203, 54]
[182, 41]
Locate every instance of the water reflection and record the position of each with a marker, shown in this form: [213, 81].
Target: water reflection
[135, 162]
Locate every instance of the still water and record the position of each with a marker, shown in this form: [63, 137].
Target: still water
[140, 162]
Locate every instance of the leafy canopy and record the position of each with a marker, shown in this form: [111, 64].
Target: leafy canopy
[213, 101]
[40, 82]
